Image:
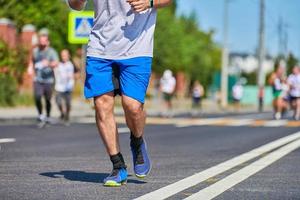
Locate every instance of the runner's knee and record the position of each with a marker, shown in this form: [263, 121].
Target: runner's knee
[104, 105]
[134, 108]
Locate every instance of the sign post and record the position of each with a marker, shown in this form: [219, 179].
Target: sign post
[79, 28]
[80, 25]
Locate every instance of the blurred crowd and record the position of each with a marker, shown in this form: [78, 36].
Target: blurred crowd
[286, 92]
[55, 74]
[52, 74]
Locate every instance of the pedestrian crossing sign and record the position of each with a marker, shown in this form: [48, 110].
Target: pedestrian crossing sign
[79, 27]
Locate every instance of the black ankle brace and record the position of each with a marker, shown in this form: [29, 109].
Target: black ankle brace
[134, 141]
[118, 161]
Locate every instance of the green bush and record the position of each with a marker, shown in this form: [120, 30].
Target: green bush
[12, 62]
[24, 99]
[8, 90]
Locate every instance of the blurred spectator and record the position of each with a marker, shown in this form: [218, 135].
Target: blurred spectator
[197, 94]
[64, 83]
[294, 83]
[167, 87]
[276, 80]
[237, 94]
[44, 59]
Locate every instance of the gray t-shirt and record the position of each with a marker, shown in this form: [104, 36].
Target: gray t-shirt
[119, 32]
[44, 74]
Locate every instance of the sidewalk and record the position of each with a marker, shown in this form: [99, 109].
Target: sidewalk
[84, 109]
[80, 109]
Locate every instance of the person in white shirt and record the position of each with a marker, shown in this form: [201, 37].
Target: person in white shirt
[294, 83]
[64, 83]
[237, 94]
[197, 94]
[167, 86]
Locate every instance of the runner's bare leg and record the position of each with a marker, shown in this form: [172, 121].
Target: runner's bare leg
[106, 123]
[135, 115]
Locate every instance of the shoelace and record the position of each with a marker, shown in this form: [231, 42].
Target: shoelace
[114, 172]
[139, 155]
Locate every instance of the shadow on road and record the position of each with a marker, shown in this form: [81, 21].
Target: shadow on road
[84, 176]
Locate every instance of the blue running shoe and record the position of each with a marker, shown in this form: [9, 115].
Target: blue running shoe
[141, 161]
[117, 178]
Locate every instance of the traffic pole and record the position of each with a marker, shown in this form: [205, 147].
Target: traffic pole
[224, 73]
[261, 54]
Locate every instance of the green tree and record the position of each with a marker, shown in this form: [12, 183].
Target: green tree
[291, 62]
[50, 14]
[180, 45]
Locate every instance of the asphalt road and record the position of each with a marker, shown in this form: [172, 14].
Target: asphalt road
[61, 162]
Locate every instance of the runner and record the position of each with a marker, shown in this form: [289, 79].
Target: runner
[64, 83]
[119, 58]
[237, 94]
[167, 86]
[294, 83]
[276, 81]
[197, 94]
[44, 59]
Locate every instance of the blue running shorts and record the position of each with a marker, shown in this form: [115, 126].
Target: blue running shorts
[129, 77]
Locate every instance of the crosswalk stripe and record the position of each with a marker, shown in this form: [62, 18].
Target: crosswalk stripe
[197, 178]
[221, 186]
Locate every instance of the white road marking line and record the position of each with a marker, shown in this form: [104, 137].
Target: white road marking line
[182, 125]
[275, 123]
[195, 179]
[86, 120]
[123, 130]
[253, 116]
[92, 121]
[240, 122]
[200, 122]
[7, 140]
[241, 175]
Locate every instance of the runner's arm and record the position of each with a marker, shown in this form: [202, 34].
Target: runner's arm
[161, 3]
[30, 68]
[77, 4]
[54, 59]
[271, 79]
[53, 64]
[141, 5]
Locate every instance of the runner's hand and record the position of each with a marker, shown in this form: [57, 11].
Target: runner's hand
[45, 63]
[139, 5]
